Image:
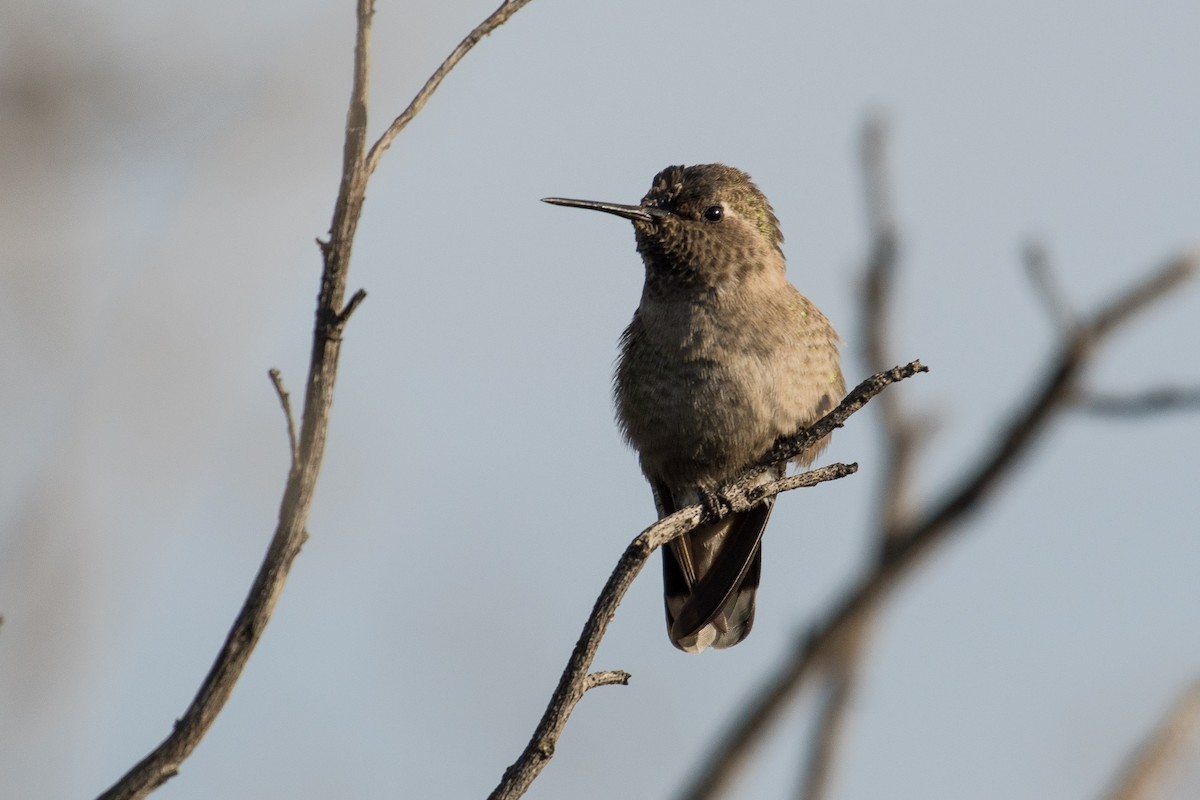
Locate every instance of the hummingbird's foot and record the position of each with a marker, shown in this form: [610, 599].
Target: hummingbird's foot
[713, 504]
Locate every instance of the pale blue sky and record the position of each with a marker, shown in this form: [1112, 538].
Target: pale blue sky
[165, 170]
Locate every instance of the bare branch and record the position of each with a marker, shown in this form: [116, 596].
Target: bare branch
[900, 436]
[575, 679]
[1147, 403]
[1046, 287]
[878, 280]
[285, 401]
[1054, 395]
[610, 677]
[1145, 292]
[163, 763]
[331, 317]
[841, 684]
[741, 495]
[1145, 767]
[877, 176]
[497, 18]
[354, 302]
[924, 533]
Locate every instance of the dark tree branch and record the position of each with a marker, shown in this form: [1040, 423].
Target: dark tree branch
[1145, 767]
[1045, 286]
[899, 436]
[879, 279]
[739, 496]
[1147, 403]
[332, 314]
[841, 677]
[900, 433]
[931, 528]
[1054, 395]
[1147, 291]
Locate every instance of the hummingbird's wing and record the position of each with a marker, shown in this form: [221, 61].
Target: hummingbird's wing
[710, 576]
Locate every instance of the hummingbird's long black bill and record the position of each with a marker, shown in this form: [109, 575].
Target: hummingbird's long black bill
[628, 212]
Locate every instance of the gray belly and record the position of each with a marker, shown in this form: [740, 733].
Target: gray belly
[694, 421]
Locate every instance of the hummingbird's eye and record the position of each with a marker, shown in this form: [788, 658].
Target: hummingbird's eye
[714, 213]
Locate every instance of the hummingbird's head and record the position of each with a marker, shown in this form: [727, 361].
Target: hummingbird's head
[707, 224]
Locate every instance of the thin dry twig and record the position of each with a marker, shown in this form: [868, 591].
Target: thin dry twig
[741, 495]
[352, 304]
[332, 315]
[1143, 771]
[286, 402]
[611, 677]
[497, 18]
[931, 528]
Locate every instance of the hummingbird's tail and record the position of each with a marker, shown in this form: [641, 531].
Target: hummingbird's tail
[710, 576]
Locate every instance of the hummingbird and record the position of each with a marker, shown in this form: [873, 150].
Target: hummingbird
[723, 357]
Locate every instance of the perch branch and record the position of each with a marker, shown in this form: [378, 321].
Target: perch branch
[741, 495]
[788, 447]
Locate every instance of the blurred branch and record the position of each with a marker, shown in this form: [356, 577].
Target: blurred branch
[879, 279]
[1145, 766]
[1037, 267]
[908, 544]
[1147, 403]
[900, 435]
[841, 677]
[741, 495]
[332, 315]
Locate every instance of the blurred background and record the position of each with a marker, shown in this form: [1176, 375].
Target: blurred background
[164, 170]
